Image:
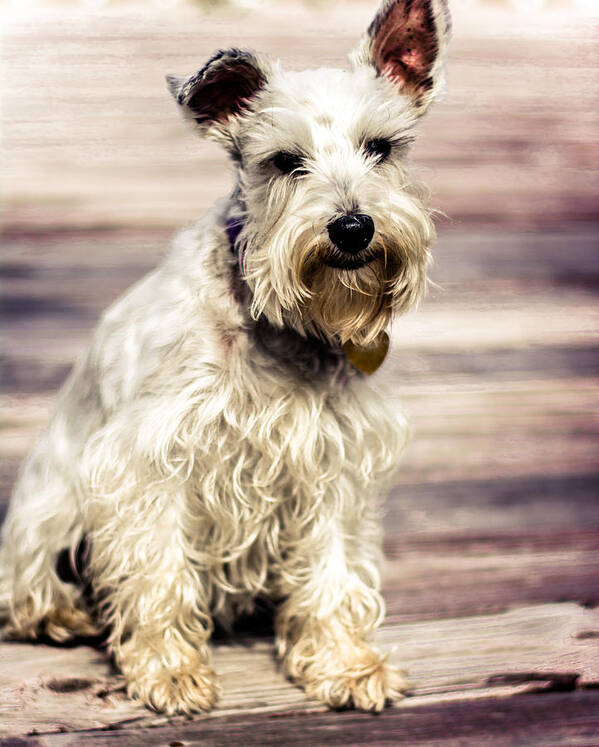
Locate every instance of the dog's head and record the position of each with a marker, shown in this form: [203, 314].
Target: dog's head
[335, 232]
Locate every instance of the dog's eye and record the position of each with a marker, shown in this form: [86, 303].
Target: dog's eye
[377, 148]
[288, 162]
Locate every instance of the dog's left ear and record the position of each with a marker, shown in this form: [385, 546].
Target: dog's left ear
[406, 42]
[220, 92]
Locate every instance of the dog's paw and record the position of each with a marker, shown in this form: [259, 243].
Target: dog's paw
[181, 690]
[343, 671]
[186, 686]
[64, 623]
[176, 690]
[367, 688]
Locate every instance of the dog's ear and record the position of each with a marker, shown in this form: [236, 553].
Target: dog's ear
[219, 92]
[406, 42]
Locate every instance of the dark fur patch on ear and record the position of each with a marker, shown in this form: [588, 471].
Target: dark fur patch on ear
[223, 87]
[405, 44]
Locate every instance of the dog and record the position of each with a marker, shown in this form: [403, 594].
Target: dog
[220, 440]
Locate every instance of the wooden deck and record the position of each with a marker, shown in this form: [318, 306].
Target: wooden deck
[492, 529]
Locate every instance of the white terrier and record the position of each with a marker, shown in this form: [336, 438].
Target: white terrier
[220, 440]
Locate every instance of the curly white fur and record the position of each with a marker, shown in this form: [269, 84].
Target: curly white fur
[203, 468]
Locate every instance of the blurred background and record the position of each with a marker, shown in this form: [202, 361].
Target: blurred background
[497, 498]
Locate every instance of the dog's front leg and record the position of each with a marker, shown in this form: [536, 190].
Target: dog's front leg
[332, 604]
[156, 606]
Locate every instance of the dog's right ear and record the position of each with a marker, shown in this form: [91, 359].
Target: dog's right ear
[222, 90]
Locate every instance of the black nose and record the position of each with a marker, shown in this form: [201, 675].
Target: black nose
[351, 233]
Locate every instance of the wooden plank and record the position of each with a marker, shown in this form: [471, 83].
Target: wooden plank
[434, 578]
[554, 720]
[548, 647]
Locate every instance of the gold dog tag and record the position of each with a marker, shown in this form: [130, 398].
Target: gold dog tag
[368, 359]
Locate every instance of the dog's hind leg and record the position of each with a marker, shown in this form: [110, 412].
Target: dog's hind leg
[43, 521]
